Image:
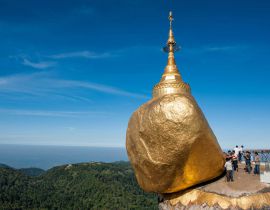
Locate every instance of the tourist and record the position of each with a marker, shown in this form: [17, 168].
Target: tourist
[228, 154]
[257, 163]
[234, 161]
[248, 161]
[229, 170]
[236, 150]
[240, 155]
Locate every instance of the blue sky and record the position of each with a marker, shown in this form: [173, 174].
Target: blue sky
[72, 73]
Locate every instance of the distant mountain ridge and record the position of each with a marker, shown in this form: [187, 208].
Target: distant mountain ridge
[4, 166]
[32, 171]
[75, 186]
[46, 157]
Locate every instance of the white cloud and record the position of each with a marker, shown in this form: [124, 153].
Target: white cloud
[96, 87]
[40, 84]
[209, 49]
[221, 48]
[47, 113]
[81, 54]
[38, 65]
[71, 129]
[3, 81]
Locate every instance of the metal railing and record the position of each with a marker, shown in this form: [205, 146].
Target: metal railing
[263, 153]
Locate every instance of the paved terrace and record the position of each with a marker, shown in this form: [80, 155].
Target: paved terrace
[244, 184]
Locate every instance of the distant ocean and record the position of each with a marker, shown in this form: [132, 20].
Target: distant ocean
[45, 157]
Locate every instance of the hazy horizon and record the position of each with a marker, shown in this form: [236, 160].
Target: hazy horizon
[48, 156]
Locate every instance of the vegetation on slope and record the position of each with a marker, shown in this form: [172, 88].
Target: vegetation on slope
[4, 166]
[32, 171]
[77, 186]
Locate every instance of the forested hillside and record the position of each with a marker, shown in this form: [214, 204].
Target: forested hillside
[76, 186]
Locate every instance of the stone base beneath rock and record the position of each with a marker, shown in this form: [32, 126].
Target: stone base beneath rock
[246, 192]
[167, 206]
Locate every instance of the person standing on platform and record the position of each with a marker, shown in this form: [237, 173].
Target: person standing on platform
[236, 150]
[248, 161]
[235, 161]
[257, 163]
[229, 170]
[240, 155]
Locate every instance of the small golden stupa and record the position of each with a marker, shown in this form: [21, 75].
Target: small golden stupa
[169, 142]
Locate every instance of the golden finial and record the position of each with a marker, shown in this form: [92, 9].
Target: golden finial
[170, 18]
[171, 81]
[171, 48]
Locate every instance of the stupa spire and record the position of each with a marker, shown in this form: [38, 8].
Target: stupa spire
[171, 47]
[171, 81]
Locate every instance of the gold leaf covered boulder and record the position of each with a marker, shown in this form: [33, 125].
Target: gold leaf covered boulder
[169, 142]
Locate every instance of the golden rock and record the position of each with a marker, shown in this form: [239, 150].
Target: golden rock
[171, 145]
[169, 142]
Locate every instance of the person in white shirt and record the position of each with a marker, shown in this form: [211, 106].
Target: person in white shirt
[236, 150]
[229, 169]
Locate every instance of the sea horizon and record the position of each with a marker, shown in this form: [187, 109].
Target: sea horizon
[48, 156]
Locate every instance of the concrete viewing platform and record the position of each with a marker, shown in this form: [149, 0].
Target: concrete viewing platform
[245, 192]
[244, 184]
